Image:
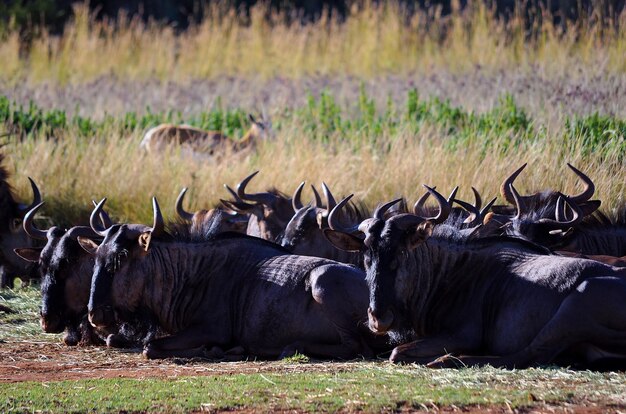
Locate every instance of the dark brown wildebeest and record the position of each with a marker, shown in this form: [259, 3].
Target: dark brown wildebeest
[11, 233]
[269, 213]
[221, 219]
[66, 271]
[499, 301]
[233, 290]
[304, 233]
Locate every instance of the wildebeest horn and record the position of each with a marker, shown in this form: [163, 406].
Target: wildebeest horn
[405, 221]
[104, 217]
[474, 212]
[505, 189]
[318, 199]
[238, 203]
[333, 220]
[444, 205]
[486, 209]
[36, 199]
[478, 199]
[185, 215]
[93, 222]
[158, 225]
[419, 204]
[330, 200]
[518, 201]
[380, 211]
[590, 188]
[30, 228]
[560, 222]
[296, 200]
[263, 198]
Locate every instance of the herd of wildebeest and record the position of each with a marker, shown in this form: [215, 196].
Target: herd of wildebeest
[537, 279]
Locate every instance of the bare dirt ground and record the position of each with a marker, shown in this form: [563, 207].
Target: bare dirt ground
[49, 361]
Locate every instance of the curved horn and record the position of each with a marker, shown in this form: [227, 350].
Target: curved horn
[185, 215]
[444, 206]
[560, 207]
[318, 199]
[158, 226]
[404, 221]
[452, 194]
[236, 197]
[505, 187]
[333, 221]
[478, 199]
[419, 204]
[296, 200]
[330, 200]
[36, 198]
[93, 219]
[263, 198]
[104, 217]
[518, 201]
[380, 211]
[486, 209]
[589, 189]
[30, 228]
[474, 212]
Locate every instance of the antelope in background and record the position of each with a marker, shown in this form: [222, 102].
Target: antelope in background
[199, 143]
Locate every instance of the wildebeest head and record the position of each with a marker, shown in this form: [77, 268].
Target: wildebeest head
[222, 220]
[65, 270]
[269, 214]
[12, 234]
[386, 243]
[122, 244]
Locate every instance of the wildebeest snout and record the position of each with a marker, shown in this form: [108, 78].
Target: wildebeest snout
[102, 317]
[379, 324]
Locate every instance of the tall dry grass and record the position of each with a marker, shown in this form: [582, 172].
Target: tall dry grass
[373, 40]
[72, 171]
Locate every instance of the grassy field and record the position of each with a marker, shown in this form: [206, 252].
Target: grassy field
[294, 384]
[376, 106]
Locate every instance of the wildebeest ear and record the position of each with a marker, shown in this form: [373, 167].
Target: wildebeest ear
[144, 240]
[343, 241]
[421, 233]
[29, 254]
[590, 206]
[87, 244]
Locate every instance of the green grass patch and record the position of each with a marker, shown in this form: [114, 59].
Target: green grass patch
[369, 387]
[24, 324]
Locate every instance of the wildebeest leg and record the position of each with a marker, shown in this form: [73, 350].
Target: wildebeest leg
[187, 343]
[424, 351]
[593, 314]
[343, 297]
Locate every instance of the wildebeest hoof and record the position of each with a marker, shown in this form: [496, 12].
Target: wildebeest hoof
[71, 338]
[117, 341]
[215, 353]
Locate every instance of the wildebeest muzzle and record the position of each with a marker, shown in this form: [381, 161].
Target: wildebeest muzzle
[379, 324]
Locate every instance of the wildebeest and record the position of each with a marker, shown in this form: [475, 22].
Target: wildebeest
[196, 142]
[66, 270]
[232, 290]
[221, 219]
[304, 235]
[499, 301]
[11, 233]
[269, 211]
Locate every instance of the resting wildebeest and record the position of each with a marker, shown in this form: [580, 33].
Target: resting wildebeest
[11, 233]
[66, 271]
[232, 290]
[269, 213]
[304, 233]
[499, 301]
[221, 219]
